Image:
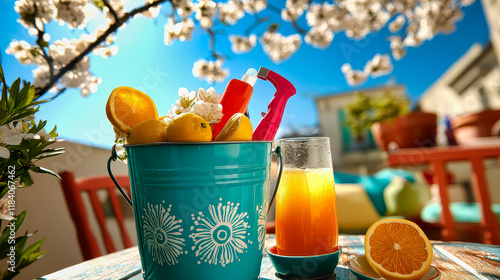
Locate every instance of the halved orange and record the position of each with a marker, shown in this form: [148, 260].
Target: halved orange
[127, 107]
[398, 249]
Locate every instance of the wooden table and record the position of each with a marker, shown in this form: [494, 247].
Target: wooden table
[455, 260]
[437, 157]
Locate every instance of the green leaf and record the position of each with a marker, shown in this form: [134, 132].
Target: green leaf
[18, 222]
[14, 92]
[39, 169]
[99, 4]
[30, 259]
[273, 27]
[26, 179]
[50, 155]
[33, 248]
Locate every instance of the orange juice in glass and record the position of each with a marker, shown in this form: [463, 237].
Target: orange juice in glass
[306, 209]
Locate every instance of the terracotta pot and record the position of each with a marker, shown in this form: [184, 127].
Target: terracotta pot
[470, 127]
[417, 129]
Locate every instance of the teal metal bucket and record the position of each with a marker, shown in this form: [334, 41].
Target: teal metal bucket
[200, 208]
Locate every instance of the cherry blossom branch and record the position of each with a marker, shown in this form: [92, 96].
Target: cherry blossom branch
[42, 44]
[258, 20]
[111, 29]
[214, 53]
[293, 22]
[111, 10]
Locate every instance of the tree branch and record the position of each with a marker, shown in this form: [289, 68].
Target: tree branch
[111, 29]
[211, 33]
[111, 10]
[293, 22]
[258, 21]
[41, 43]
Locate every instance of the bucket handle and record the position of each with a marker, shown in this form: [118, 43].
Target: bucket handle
[114, 157]
[277, 153]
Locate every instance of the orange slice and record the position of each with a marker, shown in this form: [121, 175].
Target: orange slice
[127, 107]
[237, 128]
[398, 249]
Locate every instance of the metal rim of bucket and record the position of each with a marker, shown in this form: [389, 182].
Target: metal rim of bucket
[194, 143]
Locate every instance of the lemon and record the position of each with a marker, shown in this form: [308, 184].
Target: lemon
[237, 128]
[189, 127]
[148, 131]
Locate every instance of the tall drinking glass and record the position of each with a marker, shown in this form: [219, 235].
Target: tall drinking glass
[306, 209]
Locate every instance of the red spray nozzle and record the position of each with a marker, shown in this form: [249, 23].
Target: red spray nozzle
[268, 126]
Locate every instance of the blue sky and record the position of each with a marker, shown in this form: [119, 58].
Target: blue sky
[144, 62]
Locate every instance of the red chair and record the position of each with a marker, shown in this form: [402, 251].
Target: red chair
[74, 189]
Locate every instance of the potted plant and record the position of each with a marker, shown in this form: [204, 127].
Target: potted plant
[391, 123]
[468, 128]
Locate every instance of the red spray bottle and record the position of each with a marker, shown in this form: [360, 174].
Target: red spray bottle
[268, 126]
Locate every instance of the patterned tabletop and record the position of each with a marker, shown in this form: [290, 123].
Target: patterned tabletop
[455, 260]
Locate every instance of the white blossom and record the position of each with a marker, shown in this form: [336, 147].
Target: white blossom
[353, 77]
[209, 95]
[25, 53]
[319, 15]
[42, 76]
[208, 105]
[230, 12]
[254, 6]
[397, 23]
[379, 65]
[71, 12]
[186, 100]
[205, 11]
[210, 70]
[8, 138]
[319, 37]
[184, 7]
[280, 47]
[151, 12]
[119, 8]
[242, 44]
[22, 129]
[181, 30]
[45, 11]
[467, 2]
[4, 202]
[210, 112]
[90, 85]
[397, 47]
[293, 9]
[106, 52]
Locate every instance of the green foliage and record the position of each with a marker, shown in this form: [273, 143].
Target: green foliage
[23, 142]
[16, 113]
[23, 256]
[364, 111]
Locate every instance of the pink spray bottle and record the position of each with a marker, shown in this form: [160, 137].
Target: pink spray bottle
[268, 125]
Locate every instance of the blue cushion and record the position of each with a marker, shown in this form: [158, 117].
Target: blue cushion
[462, 212]
[374, 185]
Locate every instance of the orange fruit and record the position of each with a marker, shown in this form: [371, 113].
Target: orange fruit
[126, 107]
[237, 128]
[148, 131]
[189, 127]
[398, 249]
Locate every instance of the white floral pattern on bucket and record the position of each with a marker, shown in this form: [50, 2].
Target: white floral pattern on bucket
[220, 236]
[261, 225]
[162, 234]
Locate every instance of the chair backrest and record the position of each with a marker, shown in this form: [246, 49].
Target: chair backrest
[74, 189]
